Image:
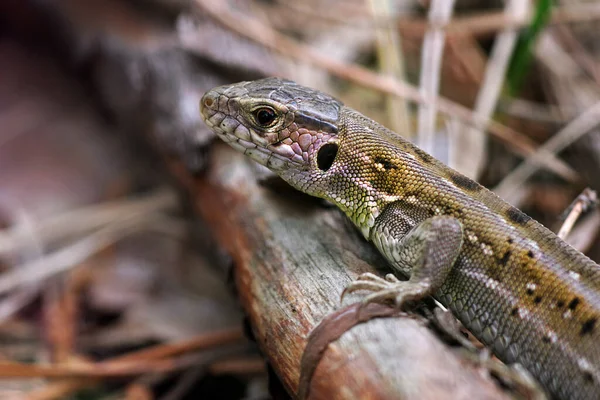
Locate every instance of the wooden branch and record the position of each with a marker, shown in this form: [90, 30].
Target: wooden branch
[293, 258]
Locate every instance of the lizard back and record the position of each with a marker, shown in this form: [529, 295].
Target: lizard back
[520, 289]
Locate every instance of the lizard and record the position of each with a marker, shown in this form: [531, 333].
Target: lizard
[520, 289]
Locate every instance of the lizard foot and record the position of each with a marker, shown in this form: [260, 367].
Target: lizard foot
[388, 289]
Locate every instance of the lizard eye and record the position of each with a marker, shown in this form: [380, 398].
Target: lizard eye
[326, 156]
[265, 116]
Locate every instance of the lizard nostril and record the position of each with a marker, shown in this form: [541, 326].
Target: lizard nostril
[208, 101]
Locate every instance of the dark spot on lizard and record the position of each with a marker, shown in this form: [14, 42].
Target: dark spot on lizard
[517, 216]
[452, 210]
[588, 377]
[529, 291]
[415, 193]
[560, 304]
[545, 339]
[505, 257]
[530, 254]
[510, 240]
[514, 311]
[496, 274]
[537, 299]
[588, 327]
[424, 157]
[573, 304]
[465, 183]
[525, 265]
[387, 164]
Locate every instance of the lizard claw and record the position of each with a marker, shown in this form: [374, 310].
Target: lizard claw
[369, 277]
[365, 281]
[388, 289]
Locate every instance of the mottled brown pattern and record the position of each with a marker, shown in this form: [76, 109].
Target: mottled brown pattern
[505, 257]
[517, 216]
[514, 283]
[465, 183]
[385, 163]
[424, 157]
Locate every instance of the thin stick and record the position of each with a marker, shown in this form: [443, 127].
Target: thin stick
[587, 199]
[488, 95]
[205, 341]
[391, 62]
[258, 32]
[82, 220]
[577, 128]
[477, 24]
[440, 12]
[70, 256]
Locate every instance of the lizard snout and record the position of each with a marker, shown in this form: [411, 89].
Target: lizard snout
[209, 102]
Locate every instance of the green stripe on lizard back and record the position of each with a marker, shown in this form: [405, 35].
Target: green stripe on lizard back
[528, 295]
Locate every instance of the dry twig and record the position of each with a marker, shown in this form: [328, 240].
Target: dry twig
[268, 37]
[154, 357]
[476, 24]
[391, 62]
[440, 12]
[577, 128]
[485, 104]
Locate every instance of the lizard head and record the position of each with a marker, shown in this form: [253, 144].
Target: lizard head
[311, 140]
[290, 129]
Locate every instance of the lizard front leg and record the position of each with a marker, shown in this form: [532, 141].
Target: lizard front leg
[426, 253]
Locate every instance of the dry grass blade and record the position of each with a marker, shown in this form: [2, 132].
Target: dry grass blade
[83, 220]
[524, 109]
[184, 384]
[583, 203]
[14, 302]
[153, 356]
[245, 365]
[488, 23]
[440, 12]
[237, 366]
[391, 62]
[477, 24]
[72, 255]
[579, 53]
[475, 139]
[204, 341]
[569, 134]
[17, 370]
[64, 259]
[61, 299]
[268, 37]
[115, 369]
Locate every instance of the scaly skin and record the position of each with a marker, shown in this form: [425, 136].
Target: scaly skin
[515, 285]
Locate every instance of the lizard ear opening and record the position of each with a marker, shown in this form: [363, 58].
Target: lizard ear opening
[326, 156]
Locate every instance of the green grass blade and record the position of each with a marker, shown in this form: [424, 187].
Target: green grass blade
[522, 55]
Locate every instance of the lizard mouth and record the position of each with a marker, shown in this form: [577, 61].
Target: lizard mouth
[242, 138]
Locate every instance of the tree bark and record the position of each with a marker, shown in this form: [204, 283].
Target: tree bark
[293, 258]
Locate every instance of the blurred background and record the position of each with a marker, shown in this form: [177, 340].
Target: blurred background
[104, 257]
